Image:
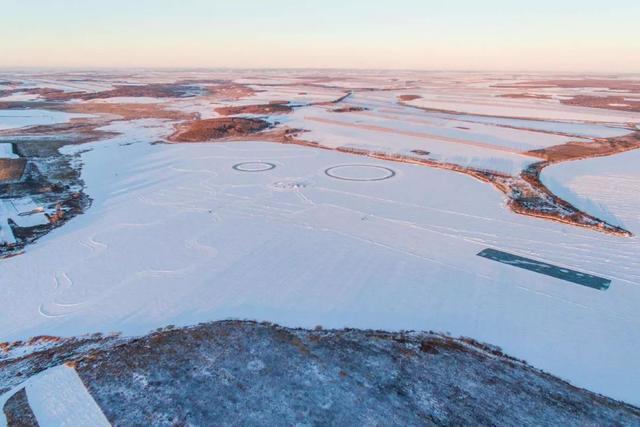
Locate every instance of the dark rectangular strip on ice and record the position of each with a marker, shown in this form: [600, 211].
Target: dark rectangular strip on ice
[573, 276]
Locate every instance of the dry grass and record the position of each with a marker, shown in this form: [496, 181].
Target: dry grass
[271, 108]
[611, 84]
[129, 111]
[525, 96]
[607, 102]
[580, 150]
[215, 129]
[11, 169]
[408, 97]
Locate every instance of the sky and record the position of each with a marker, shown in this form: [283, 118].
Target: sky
[513, 35]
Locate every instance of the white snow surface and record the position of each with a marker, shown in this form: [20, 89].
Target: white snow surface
[175, 235]
[6, 151]
[485, 103]
[608, 187]
[10, 119]
[59, 398]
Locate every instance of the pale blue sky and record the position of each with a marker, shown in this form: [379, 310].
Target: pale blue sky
[563, 35]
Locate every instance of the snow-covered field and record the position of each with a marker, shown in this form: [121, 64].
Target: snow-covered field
[605, 186]
[58, 397]
[19, 118]
[177, 235]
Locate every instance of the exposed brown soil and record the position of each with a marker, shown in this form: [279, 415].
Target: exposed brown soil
[409, 97]
[525, 96]
[11, 169]
[265, 109]
[216, 129]
[619, 102]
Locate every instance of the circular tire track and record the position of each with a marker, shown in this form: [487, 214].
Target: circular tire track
[254, 166]
[385, 173]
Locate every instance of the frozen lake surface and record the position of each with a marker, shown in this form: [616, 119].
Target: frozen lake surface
[176, 235]
[608, 187]
[302, 233]
[10, 119]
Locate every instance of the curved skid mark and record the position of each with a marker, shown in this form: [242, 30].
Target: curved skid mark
[62, 280]
[150, 272]
[65, 304]
[96, 244]
[43, 313]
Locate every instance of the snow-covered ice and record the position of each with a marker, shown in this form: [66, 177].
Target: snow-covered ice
[6, 151]
[58, 397]
[19, 118]
[608, 187]
[177, 236]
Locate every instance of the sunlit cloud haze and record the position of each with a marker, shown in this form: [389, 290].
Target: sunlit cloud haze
[559, 35]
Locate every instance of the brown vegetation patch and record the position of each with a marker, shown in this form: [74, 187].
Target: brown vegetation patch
[575, 150]
[271, 108]
[11, 169]
[76, 131]
[409, 97]
[154, 90]
[129, 111]
[611, 84]
[349, 109]
[136, 91]
[222, 128]
[25, 105]
[606, 102]
[231, 91]
[525, 96]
